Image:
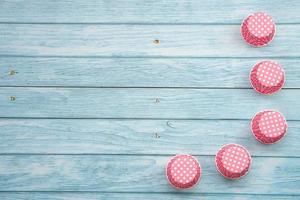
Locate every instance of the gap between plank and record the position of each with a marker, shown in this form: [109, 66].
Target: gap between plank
[139, 23]
[124, 155]
[135, 87]
[149, 119]
[134, 192]
[148, 57]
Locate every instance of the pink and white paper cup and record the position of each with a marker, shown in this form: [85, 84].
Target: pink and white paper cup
[183, 171]
[233, 161]
[268, 126]
[267, 77]
[258, 29]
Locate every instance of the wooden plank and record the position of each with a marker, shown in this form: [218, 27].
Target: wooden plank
[134, 196]
[144, 103]
[139, 174]
[134, 11]
[135, 72]
[52, 136]
[137, 40]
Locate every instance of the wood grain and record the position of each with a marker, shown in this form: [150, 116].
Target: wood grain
[136, 72]
[134, 196]
[92, 108]
[152, 137]
[137, 41]
[135, 11]
[139, 174]
[144, 103]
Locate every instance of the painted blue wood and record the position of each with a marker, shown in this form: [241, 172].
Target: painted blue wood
[137, 40]
[114, 173]
[144, 103]
[152, 137]
[152, 11]
[134, 196]
[78, 45]
[136, 72]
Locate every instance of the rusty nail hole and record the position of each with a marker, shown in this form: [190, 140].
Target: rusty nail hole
[156, 41]
[157, 135]
[12, 98]
[12, 72]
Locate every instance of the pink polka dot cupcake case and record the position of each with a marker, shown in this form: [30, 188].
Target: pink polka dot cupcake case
[267, 77]
[269, 126]
[233, 161]
[183, 171]
[258, 29]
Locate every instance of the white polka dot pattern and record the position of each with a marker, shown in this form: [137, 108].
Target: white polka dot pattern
[258, 29]
[233, 161]
[269, 73]
[269, 126]
[267, 77]
[183, 171]
[260, 24]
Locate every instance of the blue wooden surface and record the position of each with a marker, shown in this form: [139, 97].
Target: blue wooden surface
[92, 108]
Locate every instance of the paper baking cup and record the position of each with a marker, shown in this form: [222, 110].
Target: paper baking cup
[258, 29]
[268, 126]
[183, 171]
[233, 161]
[267, 77]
